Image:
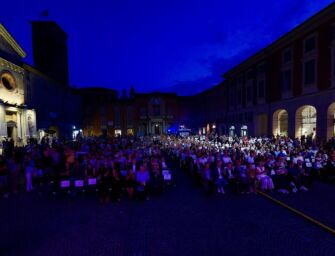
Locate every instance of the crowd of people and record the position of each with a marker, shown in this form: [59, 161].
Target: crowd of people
[246, 165]
[118, 167]
[136, 167]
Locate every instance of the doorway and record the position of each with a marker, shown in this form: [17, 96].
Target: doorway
[157, 129]
[11, 130]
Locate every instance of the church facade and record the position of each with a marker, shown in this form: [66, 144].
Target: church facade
[17, 120]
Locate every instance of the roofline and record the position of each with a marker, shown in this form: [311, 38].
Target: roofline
[17, 48]
[155, 93]
[32, 69]
[95, 88]
[51, 22]
[309, 24]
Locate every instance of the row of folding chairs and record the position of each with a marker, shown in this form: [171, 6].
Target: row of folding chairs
[70, 186]
[91, 183]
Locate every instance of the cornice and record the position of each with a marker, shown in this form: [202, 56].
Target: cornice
[9, 65]
[308, 26]
[12, 42]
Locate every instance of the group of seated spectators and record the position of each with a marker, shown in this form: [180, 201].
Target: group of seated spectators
[119, 167]
[136, 166]
[246, 165]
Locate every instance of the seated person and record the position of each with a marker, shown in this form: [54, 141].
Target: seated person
[301, 176]
[115, 181]
[293, 177]
[208, 179]
[251, 172]
[220, 180]
[243, 180]
[130, 183]
[280, 178]
[264, 179]
[328, 173]
[143, 179]
[156, 179]
[231, 177]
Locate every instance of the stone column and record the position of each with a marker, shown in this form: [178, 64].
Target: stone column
[3, 125]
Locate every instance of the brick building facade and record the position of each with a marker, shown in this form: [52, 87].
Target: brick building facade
[288, 88]
[106, 113]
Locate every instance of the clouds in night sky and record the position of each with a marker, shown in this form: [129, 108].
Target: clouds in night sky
[183, 46]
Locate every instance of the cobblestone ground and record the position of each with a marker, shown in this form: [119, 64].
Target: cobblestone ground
[311, 203]
[180, 222]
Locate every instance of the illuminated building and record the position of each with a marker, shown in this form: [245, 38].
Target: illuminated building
[17, 120]
[287, 88]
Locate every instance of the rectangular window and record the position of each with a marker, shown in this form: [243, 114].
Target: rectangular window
[240, 118]
[156, 108]
[249, 75]
[117, 117]
[309, 72]
[239, 96]
[261, 69]
[287, 56]
[232, 96]
[89, 111]
[249, 117]
[103, 110]
[143, 112]
[129, 115]
[239, 90]
[249, 93]
[103, 121]
[261, 89]
[169, 110]
[310, 44]
[287, 80]
[332, 32]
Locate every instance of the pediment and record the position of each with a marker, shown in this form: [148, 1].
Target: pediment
[9, 45]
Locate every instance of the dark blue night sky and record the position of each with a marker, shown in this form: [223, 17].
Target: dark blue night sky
[167, 45]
